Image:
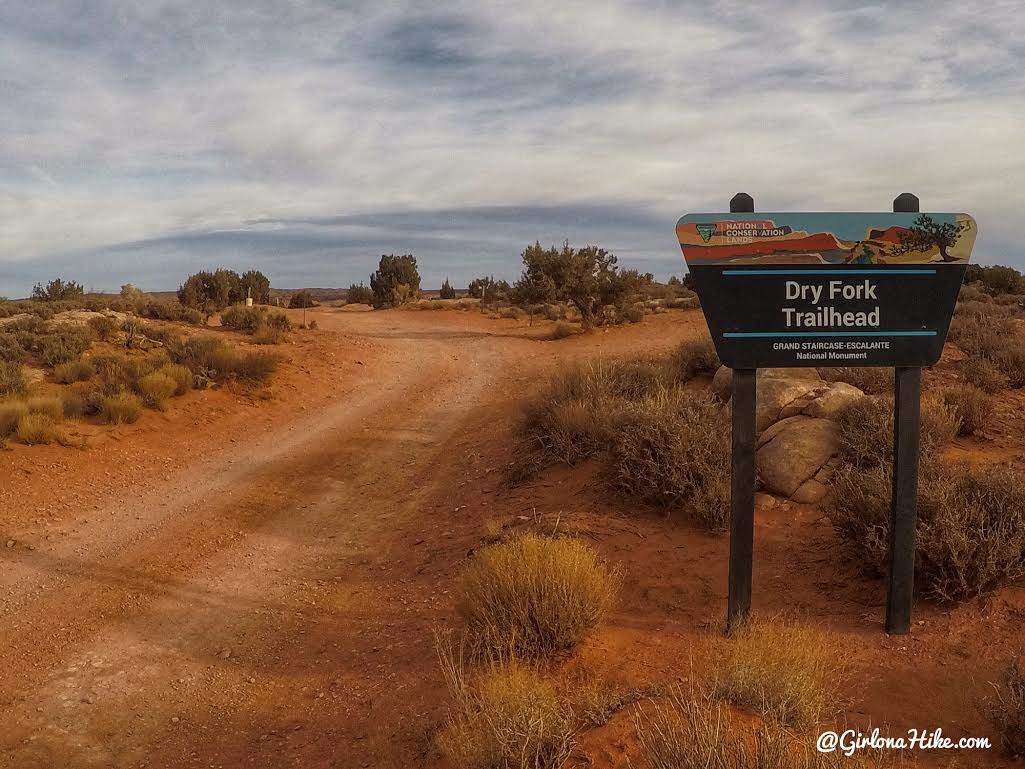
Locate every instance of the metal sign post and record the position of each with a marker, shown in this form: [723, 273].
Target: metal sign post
[742, 477]
[827, 289]
[907, 397]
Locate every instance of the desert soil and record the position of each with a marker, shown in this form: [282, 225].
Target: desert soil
[255, 579]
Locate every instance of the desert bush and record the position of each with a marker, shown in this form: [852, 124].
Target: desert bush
[74, 404]
[73, 371]
[267, 334]
[11, 350]
[971, 526]
[784, 671]
[634, 314]
[983, 373]
[693, 357]
[242, 318]
[103, 327]
[123, 408]
[689, 731]
[156, 388]
[670, 450]
[866, 430]
[357, 293]
[211, 292]
[50, 405]
[180, 375]
[171, 311]
[12, 379]
[563, 329]
[535, 595]
[1006, 709]
[215, 359]
[996, 279]
[447, 292]
[874, 381]
[973, 293]
[64, 344]
[11, 412]
[57, 290]
[970, 405]
[301, 300]
[38, 428]
[510, 717]
[396, 281]
[588, 278]
[512, 313]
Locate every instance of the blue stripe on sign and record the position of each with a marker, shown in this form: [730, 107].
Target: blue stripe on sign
[827, 271]
[762, 334]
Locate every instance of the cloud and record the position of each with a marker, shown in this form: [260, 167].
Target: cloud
[139, 141]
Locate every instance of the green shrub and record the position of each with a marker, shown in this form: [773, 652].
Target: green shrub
[971, 525]
[215, 359]
[693, 357]
[123, 408]
[970, 405]
[983, 373]
[12, 379]
[396, 281]
[301, 300]
[634, 314]
[80, 370]
[156, 388]
[267, 334]
[11, 413]
[359, 294]
[1006, 709]
[670, 450]
[866, 430]
[535, 595]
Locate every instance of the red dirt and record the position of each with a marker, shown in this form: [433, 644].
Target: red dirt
[240, 582]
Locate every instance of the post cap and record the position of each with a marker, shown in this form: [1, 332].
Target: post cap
[742, 203]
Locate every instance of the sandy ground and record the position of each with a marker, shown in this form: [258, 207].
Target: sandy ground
[255, 581]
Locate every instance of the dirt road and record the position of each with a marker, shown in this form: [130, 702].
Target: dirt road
[265, 597]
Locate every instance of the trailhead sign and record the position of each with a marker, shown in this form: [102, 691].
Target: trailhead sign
[827, 289]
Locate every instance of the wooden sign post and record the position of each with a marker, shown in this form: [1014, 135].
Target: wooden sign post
[827, 289]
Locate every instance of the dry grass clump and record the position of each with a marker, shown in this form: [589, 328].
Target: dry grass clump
[866, 430]
[37, 428]
[11, 413]
[509, 717]
[971, 526]
[73, 371]
[156, 388]
[217, 360]
[12, 379]
[535, 595]
[874, 381]
[1006, 709]
[786, 672]
[180, 375]
[693, 357]
[984, 374]
[993, 337]
[970, 405]
[687, 731]
[122, 408]
[563, 329]
[49, 405]
[670, 450]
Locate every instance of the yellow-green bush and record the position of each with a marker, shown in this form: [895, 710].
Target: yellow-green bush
[123, 408]
[180, 375]
[11, 413]
[38, 428]
[970, 405]
[12, 379]
[50, 405]
[156, 388]
[73, 371]
[535, 595]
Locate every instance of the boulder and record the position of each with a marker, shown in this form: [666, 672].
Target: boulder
[722, 382]
[776, 394]
[796, 450]
[830, 402]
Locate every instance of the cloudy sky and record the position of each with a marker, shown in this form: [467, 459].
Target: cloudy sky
[143, 140]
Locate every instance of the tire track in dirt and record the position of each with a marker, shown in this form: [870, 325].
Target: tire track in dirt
[192, 617]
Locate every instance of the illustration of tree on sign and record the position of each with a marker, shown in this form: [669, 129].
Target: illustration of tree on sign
[925, 234]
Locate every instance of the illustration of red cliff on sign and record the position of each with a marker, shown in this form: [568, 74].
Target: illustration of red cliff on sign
[826, 238]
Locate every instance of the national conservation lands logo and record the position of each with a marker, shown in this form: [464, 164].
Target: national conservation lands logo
[705, 231]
